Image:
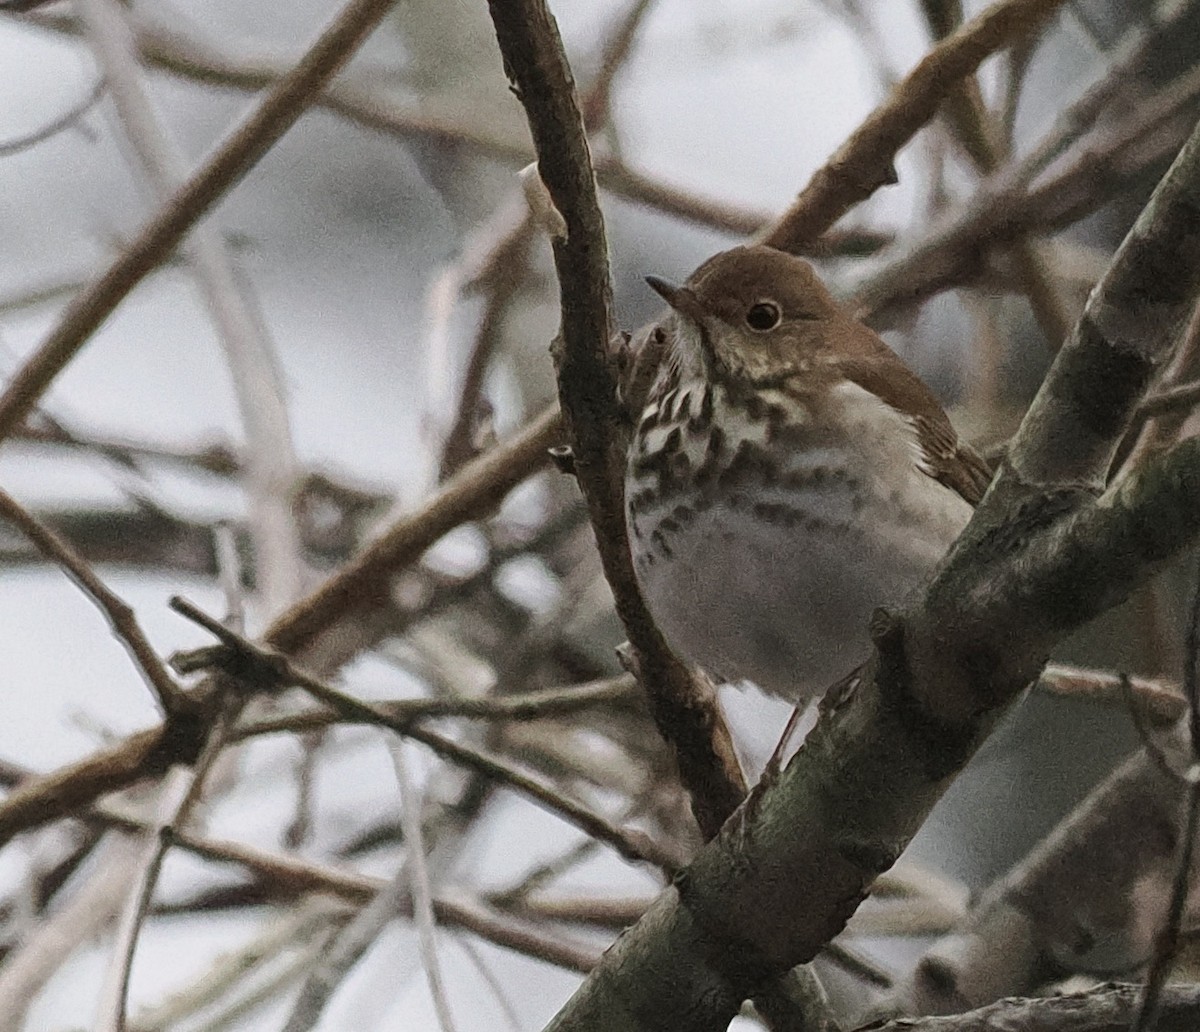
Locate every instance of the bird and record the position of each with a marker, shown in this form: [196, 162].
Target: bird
[787, 476]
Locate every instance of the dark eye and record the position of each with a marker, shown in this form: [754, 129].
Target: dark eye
[763, 316]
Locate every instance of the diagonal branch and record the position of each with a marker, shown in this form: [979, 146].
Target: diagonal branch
[233, 158]
[1042, 556]
[119, 613]
[360, 584]
[864, 162]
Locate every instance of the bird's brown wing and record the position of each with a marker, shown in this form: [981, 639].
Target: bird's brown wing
[952, 462]
[878, 369]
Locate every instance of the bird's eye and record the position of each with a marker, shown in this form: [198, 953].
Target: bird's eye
[763, 316]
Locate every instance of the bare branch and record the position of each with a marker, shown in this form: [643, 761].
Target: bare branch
[120, 615]
[66, 120]
[864, 162]
[684, 706]
[421, 886]
[269, 669]
[469, 495]
[472, 493]
[244, 146]
[535, 705]
[1109, 1008]
[270, 464]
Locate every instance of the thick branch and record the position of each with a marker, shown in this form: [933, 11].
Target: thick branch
[1078, 418]
[792, 865]
[1122, 835]
[1107, 1009]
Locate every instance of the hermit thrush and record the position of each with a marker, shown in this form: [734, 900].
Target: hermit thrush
[788, 475]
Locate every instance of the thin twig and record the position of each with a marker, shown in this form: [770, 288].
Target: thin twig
[233, 158]
[1158, 755]
[977, 132]
[473, 492]
[534, 705]
[421, 886]
[80, 917]
[501, 267]
[110, 1016]
[289, 875]
[597, 102]
[361, 583]
[864, 162]
[1155, 701]
[119, 613]
[270, 466]
[630, 844]
[362, 102]
[307, 923]
[1006, 205]
[499, 991]
[66, 120]
[494, 261]
[182, 791]
[1171, 399]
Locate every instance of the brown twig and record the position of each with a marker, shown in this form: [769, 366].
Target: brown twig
[864, 162]
[536, 65]
[367, 106]
[978, 133]
[470, 494]
[180, 793]
[597, 102]
[270, 668]
[1157, 702]
[501, 273]
[1006, 206]
[502, 269]
[171, 697]
[287, 876]
[534, 705]
[233, 158]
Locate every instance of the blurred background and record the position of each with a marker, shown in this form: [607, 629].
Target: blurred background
[371, 308]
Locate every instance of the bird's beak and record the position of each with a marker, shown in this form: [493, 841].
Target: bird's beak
[679, 298]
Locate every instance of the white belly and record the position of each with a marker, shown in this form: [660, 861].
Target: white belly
[778, 586]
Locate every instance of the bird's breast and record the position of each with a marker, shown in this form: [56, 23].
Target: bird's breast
[764, 534]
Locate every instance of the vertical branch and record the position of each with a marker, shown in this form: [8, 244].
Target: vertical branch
[684, 708]
[1167, 944]
[979, 135]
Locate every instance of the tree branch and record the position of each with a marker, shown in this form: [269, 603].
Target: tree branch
[1107, 1009]
[233, 158]
[1041, 557]
[684, 707]
[864, 162]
